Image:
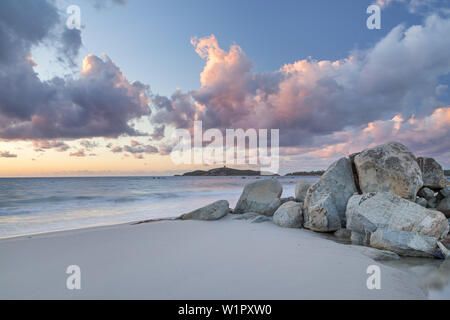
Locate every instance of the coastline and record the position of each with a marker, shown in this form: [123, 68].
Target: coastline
[193, 260]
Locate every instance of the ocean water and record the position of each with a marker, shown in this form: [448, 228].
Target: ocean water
[36, 205]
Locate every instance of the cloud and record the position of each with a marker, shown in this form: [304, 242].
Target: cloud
[117, 149]
[418, 6]
[7, 154]
[42, 145]
[158, 132]
[139, 148]
[79, 153]
[309, 100]
[100, 102]
[89, 144]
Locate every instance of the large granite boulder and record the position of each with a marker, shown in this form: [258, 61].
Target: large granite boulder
[326, 200]
[289, 215]
[405, 243]
[444, 206]
[389, 168]
[382, 210]
[261, 197]
[432, 173]
[213, 211]
[300, 190]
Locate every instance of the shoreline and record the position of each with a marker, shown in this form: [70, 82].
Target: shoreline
[193, 260]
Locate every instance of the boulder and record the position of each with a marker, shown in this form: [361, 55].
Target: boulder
[432, 173]
[284, 200]
[343, 233]
[261, 197]
[214, 211]
[444, 207]
[421, 202]
[362, 239]
[389, 168]
[300, 190]
[445, 192]
[432, 203]
[405, 243]
[289, 215]
[426, 193]
[381, 210]
[326, 200]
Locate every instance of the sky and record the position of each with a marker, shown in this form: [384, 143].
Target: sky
[106, 99]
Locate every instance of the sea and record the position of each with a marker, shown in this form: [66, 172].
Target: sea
[39, 205]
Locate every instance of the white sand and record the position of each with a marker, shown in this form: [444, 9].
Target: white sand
[226, 259]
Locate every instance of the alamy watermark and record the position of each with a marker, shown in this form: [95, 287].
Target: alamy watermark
[74, 19]
[374, 280]
[374, 20]
[73, 281]
[238, 147]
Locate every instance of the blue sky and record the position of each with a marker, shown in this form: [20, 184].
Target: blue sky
[150, 40]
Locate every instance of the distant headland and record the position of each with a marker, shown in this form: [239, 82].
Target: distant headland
[225, 171]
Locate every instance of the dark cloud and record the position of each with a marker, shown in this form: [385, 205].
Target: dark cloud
[101, 102]
[71, 44]
[7, 154]
[158, 133]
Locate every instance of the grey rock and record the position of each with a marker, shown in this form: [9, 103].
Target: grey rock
[445, 192]
[389, 168]
[262, 197]
[444, 206]
[289, 215]
[445, 252]
[260, 218]
[300, 190]
[214, 211]
[284, 200]
[326, 200]
[343, 233]
[382, 210]
[421, 202]
[362, 239]
[405, 243]
[432, 203]
[378, 255]
[426, 193]
[432, 173]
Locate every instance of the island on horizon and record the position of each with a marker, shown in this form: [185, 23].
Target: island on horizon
[225, 171]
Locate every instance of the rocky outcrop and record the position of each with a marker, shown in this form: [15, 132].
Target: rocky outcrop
[262, 197]
[289, 215]
[432, 173]
[381, 210]
[214, 211]
[389, 168]
[444, 207]
[326, 200]
[300, 190]
[405, 243]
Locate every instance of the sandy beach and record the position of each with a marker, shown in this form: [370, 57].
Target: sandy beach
[225, 259]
